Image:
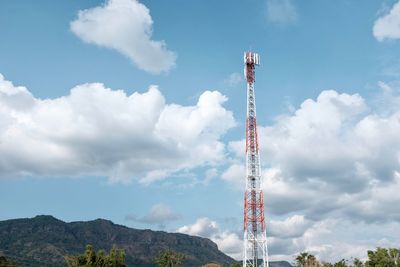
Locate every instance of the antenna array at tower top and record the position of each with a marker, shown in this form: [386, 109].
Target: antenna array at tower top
[251, 58]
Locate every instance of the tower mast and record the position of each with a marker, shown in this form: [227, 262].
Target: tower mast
[255, 237]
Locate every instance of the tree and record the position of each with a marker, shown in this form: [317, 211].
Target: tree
[169, 258]
[312, 261]
[383, 257]
[91, 258]
[394, 255]
[301, 259]
[305, 259]
[358, 263]
[341, 263]
[4, 262]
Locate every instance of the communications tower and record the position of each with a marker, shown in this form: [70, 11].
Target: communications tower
[255, 250]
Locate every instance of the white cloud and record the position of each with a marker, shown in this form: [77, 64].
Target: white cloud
[328, 239]
[159, 214]
[334, 146]
[209, 175]
[228, 242]
[125, 26]
[235, 174]
[231, 243]
[281, 11]
[332, 172]
[98, 131]
[234, 79]
[291, 227]
[202, 227]
[334, 239]
[331, 239]
[388, 101]
[388, 25]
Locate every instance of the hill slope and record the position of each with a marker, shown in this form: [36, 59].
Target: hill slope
[44, 240]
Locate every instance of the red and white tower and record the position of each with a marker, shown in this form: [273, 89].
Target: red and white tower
[255, 250]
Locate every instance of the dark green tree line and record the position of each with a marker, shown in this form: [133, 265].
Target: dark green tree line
[381, 257]
[4, 262]
[91, 258]
[169, 258]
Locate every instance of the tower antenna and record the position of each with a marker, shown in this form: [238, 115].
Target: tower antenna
[255, 248]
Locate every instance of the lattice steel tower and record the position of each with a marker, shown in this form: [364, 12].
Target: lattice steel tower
[255, 250]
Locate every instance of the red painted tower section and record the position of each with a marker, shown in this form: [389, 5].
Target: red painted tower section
[255, 250]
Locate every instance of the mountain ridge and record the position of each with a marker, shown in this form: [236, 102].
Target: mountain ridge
[44, 240]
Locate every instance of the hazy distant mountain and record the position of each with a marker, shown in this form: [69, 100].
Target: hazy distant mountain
[44, 240]
[279, 264]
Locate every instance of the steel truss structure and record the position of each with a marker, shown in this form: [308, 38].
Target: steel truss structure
[255, 249]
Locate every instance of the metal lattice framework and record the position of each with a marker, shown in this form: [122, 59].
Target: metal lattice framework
[255, 249]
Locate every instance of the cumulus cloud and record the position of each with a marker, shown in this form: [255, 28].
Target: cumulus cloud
[159, 214]
[202, 227]
[125, 26]
[209, 175]
[281, 11]
[293, 226]
[331, 173]
[283, 233]
[228, 242]
[235, 174]
[99, 131]
[334, 239]
[296, 234]
[330, 155]
[388, 25]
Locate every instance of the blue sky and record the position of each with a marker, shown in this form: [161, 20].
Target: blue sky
[134, 112]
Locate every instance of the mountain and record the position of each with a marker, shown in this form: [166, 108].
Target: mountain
[44, 241]
[279, 264]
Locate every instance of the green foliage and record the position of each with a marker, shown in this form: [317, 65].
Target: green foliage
[358, 263]
[312, 261]
[383, 257]
[169, 258]
[301, 259]
[306, 260]
[341, 263]
[4, 262]
[91, 258]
